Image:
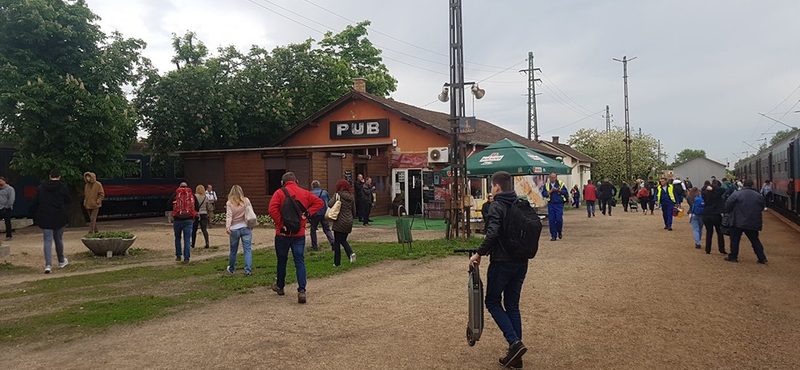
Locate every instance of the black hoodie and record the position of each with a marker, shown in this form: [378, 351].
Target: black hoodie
[49, 208]
[494, 228]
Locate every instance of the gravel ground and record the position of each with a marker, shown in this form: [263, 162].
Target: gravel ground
[616, 293]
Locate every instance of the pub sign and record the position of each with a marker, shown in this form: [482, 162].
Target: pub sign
[360, 129]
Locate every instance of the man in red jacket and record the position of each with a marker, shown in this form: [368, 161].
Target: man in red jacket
[590, 196]
[295, 242]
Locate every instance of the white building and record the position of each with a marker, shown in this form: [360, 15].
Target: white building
[699, 169]
[580, 163]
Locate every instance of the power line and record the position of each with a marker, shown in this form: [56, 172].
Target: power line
[570, 124]
[562, 92]
[392, 37]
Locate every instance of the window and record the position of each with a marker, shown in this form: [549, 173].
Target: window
[132, 169]
[158, 169]
[274, 180]
[177, 169]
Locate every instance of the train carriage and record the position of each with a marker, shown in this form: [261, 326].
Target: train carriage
[780, 163]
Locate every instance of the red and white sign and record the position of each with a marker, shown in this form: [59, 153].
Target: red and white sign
[491, 158]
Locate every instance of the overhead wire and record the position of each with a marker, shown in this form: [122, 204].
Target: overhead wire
[392, 37]
[562, 92]
[329, 28]
[569, 124]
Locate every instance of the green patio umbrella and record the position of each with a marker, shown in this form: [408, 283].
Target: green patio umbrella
[512, 157]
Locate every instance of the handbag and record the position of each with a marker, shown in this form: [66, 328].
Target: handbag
[613, 202]
[333, 212]
[725, 229]
[250, 216]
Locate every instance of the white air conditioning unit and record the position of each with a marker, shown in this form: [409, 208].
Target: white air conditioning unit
[438, 155]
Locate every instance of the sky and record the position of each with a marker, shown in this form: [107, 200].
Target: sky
[703, 72]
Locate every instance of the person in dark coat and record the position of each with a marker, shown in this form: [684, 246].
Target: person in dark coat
[367, 189]
[607, 192]
[49, 211]
[485, 211]
[624, 195]
[343, 224]
[712, 215]
[358, 187]
[653, 190]
[745, 207]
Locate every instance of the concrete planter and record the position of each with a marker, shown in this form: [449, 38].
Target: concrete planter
[108, 247]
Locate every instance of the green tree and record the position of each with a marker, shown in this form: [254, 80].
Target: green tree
[609, 150]
[780, 135]
[688, 154]
[236, 100]
[61, 90]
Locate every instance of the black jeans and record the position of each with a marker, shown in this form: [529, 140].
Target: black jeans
[605, 203]
[316, 221]
[712, 222]
[6, 213]
[625, 202]
[644, 201]
[366, 209]
[202, 222]
[736, 236]
[340, 240]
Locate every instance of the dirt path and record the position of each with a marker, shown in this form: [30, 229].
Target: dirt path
[617, 293]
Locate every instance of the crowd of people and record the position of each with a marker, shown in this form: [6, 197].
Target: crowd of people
[722, 207]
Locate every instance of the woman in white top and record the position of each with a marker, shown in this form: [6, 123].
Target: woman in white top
[236, 227]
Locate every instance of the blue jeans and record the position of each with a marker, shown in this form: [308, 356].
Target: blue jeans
[697, 226]
[49, 236]
[590, 207]
[504, 281]
[297, 245]
[246, 235]
[555, 218]
[736, 237]
[183, 227]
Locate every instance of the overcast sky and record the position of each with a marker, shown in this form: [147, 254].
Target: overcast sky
[704, 68]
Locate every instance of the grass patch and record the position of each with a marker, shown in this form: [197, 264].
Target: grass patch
[6, 268]
[89, 303]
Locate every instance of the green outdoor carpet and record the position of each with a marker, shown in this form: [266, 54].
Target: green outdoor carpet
[389, 221]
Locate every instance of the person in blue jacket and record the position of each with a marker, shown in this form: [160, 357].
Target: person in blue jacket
[555, 193]
[696, 215]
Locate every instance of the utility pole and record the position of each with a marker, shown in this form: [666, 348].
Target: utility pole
[457, 149]
[659, 150]
[533, 124]
[608, 120]
[625, 61]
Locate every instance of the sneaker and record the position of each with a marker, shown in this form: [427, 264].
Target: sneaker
[670, 229]
[353, 258]
[593, 214]
[63, 264]
[697, 246]
[229, 270]
[248, 273]
[516, 365]
[9, 238]
[552, 239]
[277, 290]
[515, 352]
[47, 269]
[301, 297]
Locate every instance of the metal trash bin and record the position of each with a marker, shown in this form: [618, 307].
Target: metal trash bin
[403, 227]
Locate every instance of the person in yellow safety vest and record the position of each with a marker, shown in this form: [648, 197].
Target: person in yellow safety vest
[667, 202]
[555, 193]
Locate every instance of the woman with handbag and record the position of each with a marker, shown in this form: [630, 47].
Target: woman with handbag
[206, 208]
[239, 224]
[341, 211]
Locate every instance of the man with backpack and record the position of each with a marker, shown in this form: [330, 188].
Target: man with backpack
[555, 194]
[512, 237]
[290, 207]
[184, 210]
[318, 219]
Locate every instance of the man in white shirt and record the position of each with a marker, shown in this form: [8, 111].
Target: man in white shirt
[211, 197]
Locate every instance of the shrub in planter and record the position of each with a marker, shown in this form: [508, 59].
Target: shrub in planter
[109, 243]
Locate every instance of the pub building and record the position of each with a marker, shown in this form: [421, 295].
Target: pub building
[400, 146]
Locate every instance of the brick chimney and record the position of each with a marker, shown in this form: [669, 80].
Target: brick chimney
[555, 139]
[360, 85]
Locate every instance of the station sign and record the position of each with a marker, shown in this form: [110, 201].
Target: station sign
[360, 129]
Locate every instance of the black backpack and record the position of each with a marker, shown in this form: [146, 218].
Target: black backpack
[292, 213]
[521, 231]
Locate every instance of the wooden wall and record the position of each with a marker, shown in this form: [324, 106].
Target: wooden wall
[247, 170]
[379, 167]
